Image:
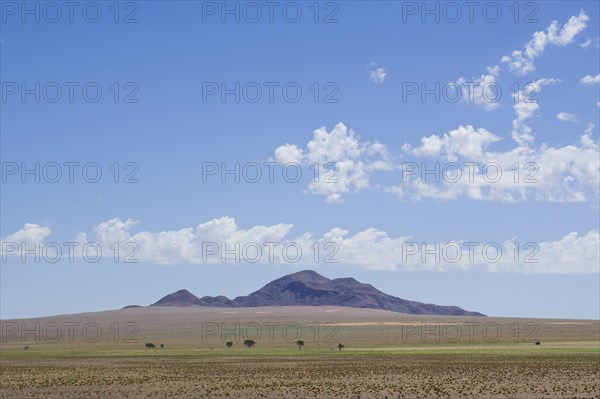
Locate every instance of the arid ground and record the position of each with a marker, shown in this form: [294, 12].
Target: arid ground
[385, 354]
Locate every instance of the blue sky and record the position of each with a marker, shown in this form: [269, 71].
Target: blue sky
[370, 57]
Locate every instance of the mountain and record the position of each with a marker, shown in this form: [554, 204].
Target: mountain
[309, 288]
[179, 298]
[186, 298]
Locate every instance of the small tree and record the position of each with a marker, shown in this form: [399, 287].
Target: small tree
[340, 346]
[229, 344]
[150, 345]
[249, 343]
[300, 344]
[162, 346]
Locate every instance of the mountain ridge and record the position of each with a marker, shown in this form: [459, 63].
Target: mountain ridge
[309, 288]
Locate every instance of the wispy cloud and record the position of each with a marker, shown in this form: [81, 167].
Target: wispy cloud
[477, 90]
[590, 41]
[521, 62]
[525, 108]
[566, 117]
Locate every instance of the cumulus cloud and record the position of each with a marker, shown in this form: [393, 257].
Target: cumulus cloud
[343, 161]
[463, 161]
[557, 174]
[589, 80]
[566, 117]
[521, 62]
[465, 141]
[30, 234]
[571, 254]
[288, 154]
[186, 245]
[222, 241]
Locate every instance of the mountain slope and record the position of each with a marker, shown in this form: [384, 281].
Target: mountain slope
[309, 288]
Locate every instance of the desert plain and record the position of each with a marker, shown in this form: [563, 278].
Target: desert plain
[294, 352]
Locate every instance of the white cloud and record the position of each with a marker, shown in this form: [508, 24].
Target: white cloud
[569, 255]
[370, 248]
[30, 234]
[186, 245]
[521, 62]
[481, 91]
[589, 41]
[570, 173]
[543, 173]
[288, 154]
[377, 75]
[464, 141]
[586, 44]
[526, 105]
[397, 190]
[566, 117]
[590, 80]
[354, 160]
